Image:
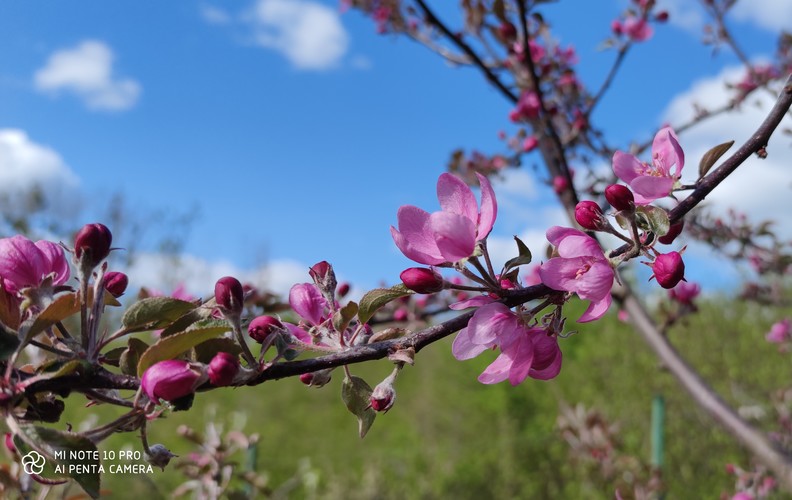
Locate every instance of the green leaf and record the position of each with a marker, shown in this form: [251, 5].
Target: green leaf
[170, 347]
[77, 455]
[57, 369]
[711, 156]
[343, 316]
[205, 351]
[185, 321]
[623, 221]
[131, 356]
[60, 309]
[356, 394]
[155, 312]
[388, 334]
[653, 219]
[524, 256]
[377, 298]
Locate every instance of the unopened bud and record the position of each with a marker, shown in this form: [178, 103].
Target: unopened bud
[422, 280]
[318, 378]
[674, 231]
[229, 294]
[383, 396]
[560, 184]
[507, 31]
[669, 269]
[262, 327]
[92, 243]
[530, 143]
[170, 380]
[616, 27]
[620, 197]
[589, 215]
[159, 456]
[222, 369]
[116, 283]
[662, 16]
[343, 289]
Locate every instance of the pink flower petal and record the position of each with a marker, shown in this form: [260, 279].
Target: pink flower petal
[477, 301]
[666, 152]
[463, 347]
[626, 166]
[596, 310]
[498, 371]
[55, 261]
[489, 208]
[490, 322]
[455, 235]
[414, 236]
[307, 301]
[547, 357]
[561, 274]
[649, 188]
[456, 197]
[299, 333]
[596, 282]
[521, 353]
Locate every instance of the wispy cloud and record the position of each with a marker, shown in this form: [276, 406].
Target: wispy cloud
[87, 72]
[215, 15]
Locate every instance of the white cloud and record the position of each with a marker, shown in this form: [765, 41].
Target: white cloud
[759, 188]
[27, 170]
[310, 35]
[773, 15]
[215, 15]
[87, 71]
[164, 273]
[684, 14]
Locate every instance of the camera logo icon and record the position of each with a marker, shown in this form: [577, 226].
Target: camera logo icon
[33, 463]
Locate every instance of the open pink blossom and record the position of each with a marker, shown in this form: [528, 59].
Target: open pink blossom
[525, 352]
[650, 182]
[451, 234]
[308, 302]
[781, 331]
[637, 29]
[26, 264]
[580, 267]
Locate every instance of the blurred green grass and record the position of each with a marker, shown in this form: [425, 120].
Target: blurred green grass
[449, 436]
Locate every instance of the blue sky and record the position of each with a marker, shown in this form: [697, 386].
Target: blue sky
[293, 144]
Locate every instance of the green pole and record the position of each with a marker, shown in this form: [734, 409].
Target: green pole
[658, 436]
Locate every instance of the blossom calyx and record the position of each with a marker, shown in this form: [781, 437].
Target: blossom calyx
[171, 379]
[589, 215]
[620, 197]
[92, 244]
[222, 369]
[669, 269]
[115, 283]
[229, 294]
[422, 280]
[262, 327]
[159, 456]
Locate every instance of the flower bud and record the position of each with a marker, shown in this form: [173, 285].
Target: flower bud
[620, 197]
[507, 31]
[343, 289]
[171, 380]
[318, 378]
[589, 215]
[530, 143]
[93, 241]
[159, 456]
[262, 327]
[422, 279]
[116, 283]
[9, 443]
[684, 292]
[674, 231]
[669, 269]
[616, 27]
[319, 271]
[383, 396]
[222, 369]
[662, 16]
[560, 184]
[229, 294]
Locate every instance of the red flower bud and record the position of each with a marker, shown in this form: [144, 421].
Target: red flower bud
[620, 197]
[343, 289]
[422, 280]
[530, 143]
[383, 396]
[93, 241]
[229, 294]
[116, 283]
[507, 31]
[223, 368]
[262, 327]
[674, 231]
[662, 16]
[319, 271]
[318, 378]
[589, 215]
[669, 269]
[560, 184]
[171, 380]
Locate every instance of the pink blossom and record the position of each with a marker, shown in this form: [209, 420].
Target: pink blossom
[637, 29]
[580, 267]
[780, 331]
[650, 182]
[530, 143]
[527, 107]
[451, 234]
[685, 292]
[26, 264]
[525, 352]
[308, 302]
